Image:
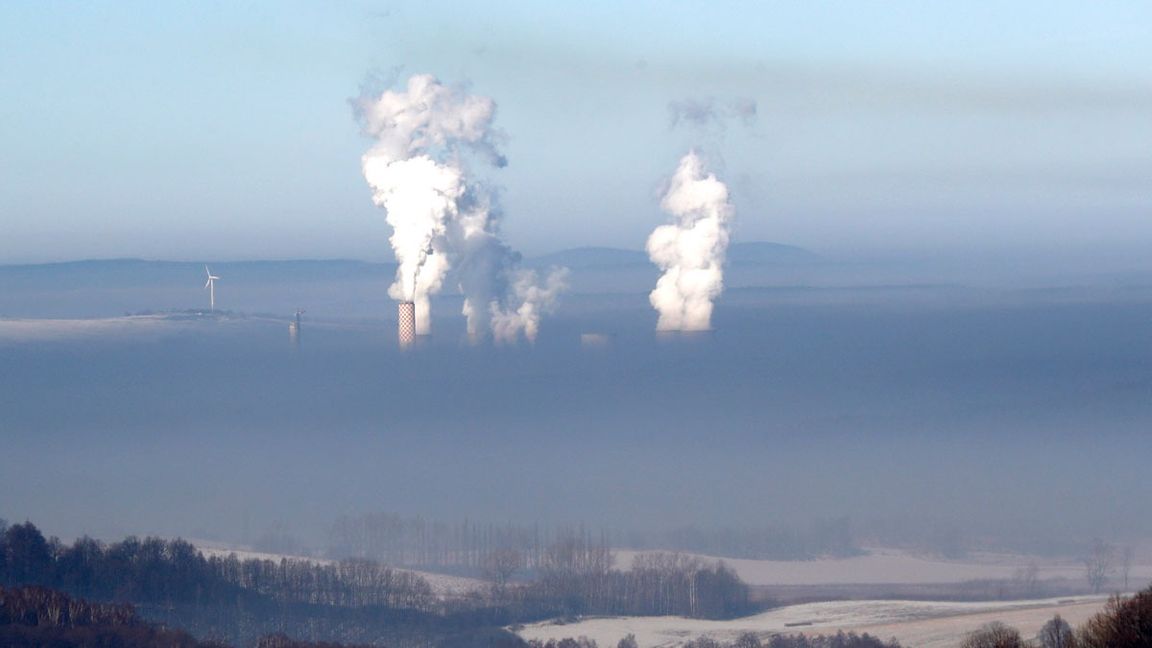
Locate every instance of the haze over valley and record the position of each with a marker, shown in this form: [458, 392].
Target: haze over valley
[524, 325]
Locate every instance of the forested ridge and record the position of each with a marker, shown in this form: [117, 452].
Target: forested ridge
[359, 600]
[155, 592]
[31, 617]
[34, 617]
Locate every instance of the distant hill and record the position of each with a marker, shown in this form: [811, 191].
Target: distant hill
[766, 253]
[128, 272]
[114, 287]
[139, 272]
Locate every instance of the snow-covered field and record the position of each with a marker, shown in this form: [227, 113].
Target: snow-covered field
[879, 566]
[891, 566]
[919, 624]
[442, 584]
[913, 623]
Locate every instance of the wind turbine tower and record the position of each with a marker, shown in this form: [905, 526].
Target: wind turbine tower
[211, 287]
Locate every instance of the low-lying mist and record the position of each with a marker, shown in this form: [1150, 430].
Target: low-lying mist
[1015, 419]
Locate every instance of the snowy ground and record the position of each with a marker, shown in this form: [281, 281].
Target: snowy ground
[442, 584]
[891, 566]
[879, 566]
[913, 623]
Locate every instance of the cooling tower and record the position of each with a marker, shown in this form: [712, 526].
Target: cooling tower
[407, 324]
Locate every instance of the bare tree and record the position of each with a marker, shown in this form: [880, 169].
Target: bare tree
[1057, 634]
[629, 641]
[500, 565]
[1027, 580]
[1127, 555]
[748, 640]
[994, 635]
[1125, 622]
[1098, 564]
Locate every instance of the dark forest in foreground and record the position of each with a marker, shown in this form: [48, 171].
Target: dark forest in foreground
[31, 617]
[154, 592]
[236, 600]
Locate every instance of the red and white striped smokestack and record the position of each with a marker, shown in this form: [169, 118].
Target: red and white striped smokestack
[407, 324]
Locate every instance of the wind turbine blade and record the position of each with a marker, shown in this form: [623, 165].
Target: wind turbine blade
[209, 283]
[207, 271]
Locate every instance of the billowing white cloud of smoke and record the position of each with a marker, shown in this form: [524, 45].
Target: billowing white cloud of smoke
[441, 218]
[429, 117]
[690, 250]
[533, 297]
[416, 175]
[501, 300]
[419, 197]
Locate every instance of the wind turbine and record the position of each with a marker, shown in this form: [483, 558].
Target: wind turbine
[211, 287]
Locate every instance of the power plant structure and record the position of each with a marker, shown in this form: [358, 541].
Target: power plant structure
[406, 327]
[294, 329]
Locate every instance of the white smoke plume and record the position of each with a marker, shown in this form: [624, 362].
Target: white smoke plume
[440, 216]
[691, 249]
[501, 300]
[530, 299]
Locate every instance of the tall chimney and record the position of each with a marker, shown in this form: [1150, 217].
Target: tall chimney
[407, 325]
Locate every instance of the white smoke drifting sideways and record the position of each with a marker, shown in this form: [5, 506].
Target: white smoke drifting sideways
[531, 299]
[442, 218]
[501, 300]
[691, 249]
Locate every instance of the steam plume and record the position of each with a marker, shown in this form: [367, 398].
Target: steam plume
[531, 297]
[440, 216]
[691, 249]
[501, 300]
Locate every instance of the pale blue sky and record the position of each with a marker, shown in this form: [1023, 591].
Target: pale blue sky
[221, 130]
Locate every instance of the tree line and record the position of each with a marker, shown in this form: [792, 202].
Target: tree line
[570, 572]
[416, 542]
[33, 617]
[237, 601]
[573, 575]
[358, 599]
[153, 570]
[576, 577]
[39, 617]
[746, 640]
[464, 546]
[1125, 622]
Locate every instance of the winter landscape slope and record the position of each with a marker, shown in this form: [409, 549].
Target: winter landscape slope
[912, 623]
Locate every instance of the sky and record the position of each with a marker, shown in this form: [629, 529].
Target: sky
[222, 130]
